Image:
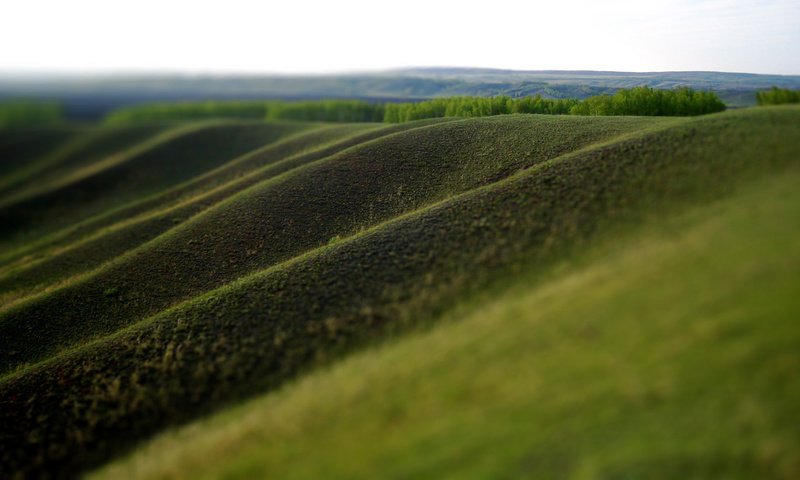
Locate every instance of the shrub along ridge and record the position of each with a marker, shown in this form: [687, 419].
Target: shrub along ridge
[642, 101]
[778, 96]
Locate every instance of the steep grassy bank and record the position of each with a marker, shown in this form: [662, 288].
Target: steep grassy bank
[254, 333]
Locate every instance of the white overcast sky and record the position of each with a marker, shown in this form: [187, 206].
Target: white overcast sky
[302, 36]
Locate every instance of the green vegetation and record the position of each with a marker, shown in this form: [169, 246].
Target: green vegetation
[650, 101]
[326, 111]
[474, 107]
[334, 196]
[16, 113]
[641, 101]
[163, 293]
[310, 111]
[628, 361]
[41, 172]
[778, 96]
[125, 172]
[644, 101]
[189, 111]
[735, 89]
[109, 235]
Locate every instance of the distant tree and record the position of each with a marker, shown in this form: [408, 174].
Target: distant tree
[777, 96]
[633, 101]
[647, 101]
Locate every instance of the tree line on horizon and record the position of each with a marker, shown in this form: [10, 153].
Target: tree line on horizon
[778, 96]
[645, 101]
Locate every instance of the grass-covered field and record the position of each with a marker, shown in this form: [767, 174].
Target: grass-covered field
[538, 294]
[662, 355]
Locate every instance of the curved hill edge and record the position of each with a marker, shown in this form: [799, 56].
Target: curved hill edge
[551, 354]
[105, 162]
[151, 167]
[112, 297]
[62, 266]
[104, 219]
[156, 204]
[634, 138]
[189, 360]
[25, 152]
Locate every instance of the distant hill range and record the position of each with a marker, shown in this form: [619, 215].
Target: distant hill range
[90, 97]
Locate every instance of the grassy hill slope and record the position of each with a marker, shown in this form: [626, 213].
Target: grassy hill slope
[103, 238]
[343, 250]
[21, 147]
[628, 361]
[284, 216]
[85, 148]
[311, 144]
[119, 175]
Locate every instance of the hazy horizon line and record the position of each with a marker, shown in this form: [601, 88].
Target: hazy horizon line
[118, 73]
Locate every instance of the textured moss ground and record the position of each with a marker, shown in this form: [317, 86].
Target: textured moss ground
[286, 257]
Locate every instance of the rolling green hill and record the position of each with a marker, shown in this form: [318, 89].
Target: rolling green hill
[167, 274]
[20, 149]
[626, 362]
[120, 174]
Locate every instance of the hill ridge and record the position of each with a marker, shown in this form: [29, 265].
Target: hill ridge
[89, 301]
[142, 206]
[195, 205]
[244, 279]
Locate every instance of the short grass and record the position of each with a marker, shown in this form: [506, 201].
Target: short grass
[342, 251]
[664, 355]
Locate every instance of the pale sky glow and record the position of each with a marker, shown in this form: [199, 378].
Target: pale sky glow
[301, 36]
